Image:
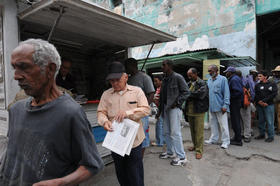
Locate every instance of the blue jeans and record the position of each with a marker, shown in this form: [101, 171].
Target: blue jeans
[159, 132]
[172, 131]
[266, 116]
[146, 142]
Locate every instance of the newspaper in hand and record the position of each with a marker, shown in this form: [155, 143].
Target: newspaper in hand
[122, 138]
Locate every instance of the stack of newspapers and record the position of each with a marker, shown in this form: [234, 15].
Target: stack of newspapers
[122, 138]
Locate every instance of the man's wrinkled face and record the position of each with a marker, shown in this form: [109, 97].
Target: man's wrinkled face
[29, 75]
[119, 84]
[228, 74]
[261, 77]
[191, 75]
[212, 72]
[65, 68]
[276, 74]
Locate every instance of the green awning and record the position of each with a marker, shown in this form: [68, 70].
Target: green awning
[194, 57]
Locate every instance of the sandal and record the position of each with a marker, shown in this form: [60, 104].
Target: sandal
[198, 156]
[190, 148]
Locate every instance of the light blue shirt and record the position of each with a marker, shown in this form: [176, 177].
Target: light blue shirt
[219, 95]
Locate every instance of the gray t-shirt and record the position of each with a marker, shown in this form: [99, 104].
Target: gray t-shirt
[143, 81]
[47, 142]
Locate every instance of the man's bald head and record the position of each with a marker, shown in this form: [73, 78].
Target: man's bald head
[213, 67]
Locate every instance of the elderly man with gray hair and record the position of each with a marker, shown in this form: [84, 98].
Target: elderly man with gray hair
[50, 141]
[219, 101]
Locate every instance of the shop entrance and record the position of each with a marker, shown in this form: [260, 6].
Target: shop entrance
[268, 40]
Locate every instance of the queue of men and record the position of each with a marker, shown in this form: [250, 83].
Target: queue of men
[50, 140]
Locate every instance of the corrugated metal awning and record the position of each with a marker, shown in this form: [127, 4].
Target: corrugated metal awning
[197, 56]
[93, 22]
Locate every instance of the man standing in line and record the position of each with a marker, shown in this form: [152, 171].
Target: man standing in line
[142, 80]
[246, 110]
[50, 139]
[276, 79]
[196, 106]
[236, 98]
[159, 124]
[265, 93]
[173, 93]
[119, 102]
[253, 76]
[219, 106]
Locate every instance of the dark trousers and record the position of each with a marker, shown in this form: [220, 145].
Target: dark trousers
[129, 169]
[235, 106]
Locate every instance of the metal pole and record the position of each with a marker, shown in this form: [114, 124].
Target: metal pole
[148, 56]
[61, 11]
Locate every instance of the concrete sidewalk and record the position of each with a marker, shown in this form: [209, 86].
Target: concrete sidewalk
[256, 163]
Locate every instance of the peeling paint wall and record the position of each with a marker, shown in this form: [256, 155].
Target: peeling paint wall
[267, 6]
[198, 24]
[228, 25]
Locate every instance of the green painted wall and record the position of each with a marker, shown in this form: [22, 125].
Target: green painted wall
[267, 6]
[228, 25]
[193, 17]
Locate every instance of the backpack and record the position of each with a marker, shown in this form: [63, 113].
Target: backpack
[247, 97]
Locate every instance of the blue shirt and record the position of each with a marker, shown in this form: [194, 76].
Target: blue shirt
[219, 96]
[235, 87]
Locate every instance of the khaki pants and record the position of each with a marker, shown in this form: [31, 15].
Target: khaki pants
[277, 115]
[245, 114]
[197, 131]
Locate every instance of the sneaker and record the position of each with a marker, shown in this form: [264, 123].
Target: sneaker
[209, 142]
[237, 143]
[260, 137]
[268, 140]
[178, 161]
[154, 144]
[252, 133]
[164, 155]
[224, 146]
[247, 140]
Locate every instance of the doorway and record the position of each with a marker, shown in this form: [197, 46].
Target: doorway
[268, 40]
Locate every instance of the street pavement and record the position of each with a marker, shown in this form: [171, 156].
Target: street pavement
[254, 164]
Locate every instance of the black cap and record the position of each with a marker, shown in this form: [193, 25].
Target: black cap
[115, 71]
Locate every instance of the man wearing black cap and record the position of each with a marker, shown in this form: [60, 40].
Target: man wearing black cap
[119, 102]
[236, 97]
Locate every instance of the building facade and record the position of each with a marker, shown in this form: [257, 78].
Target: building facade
[236, 27]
